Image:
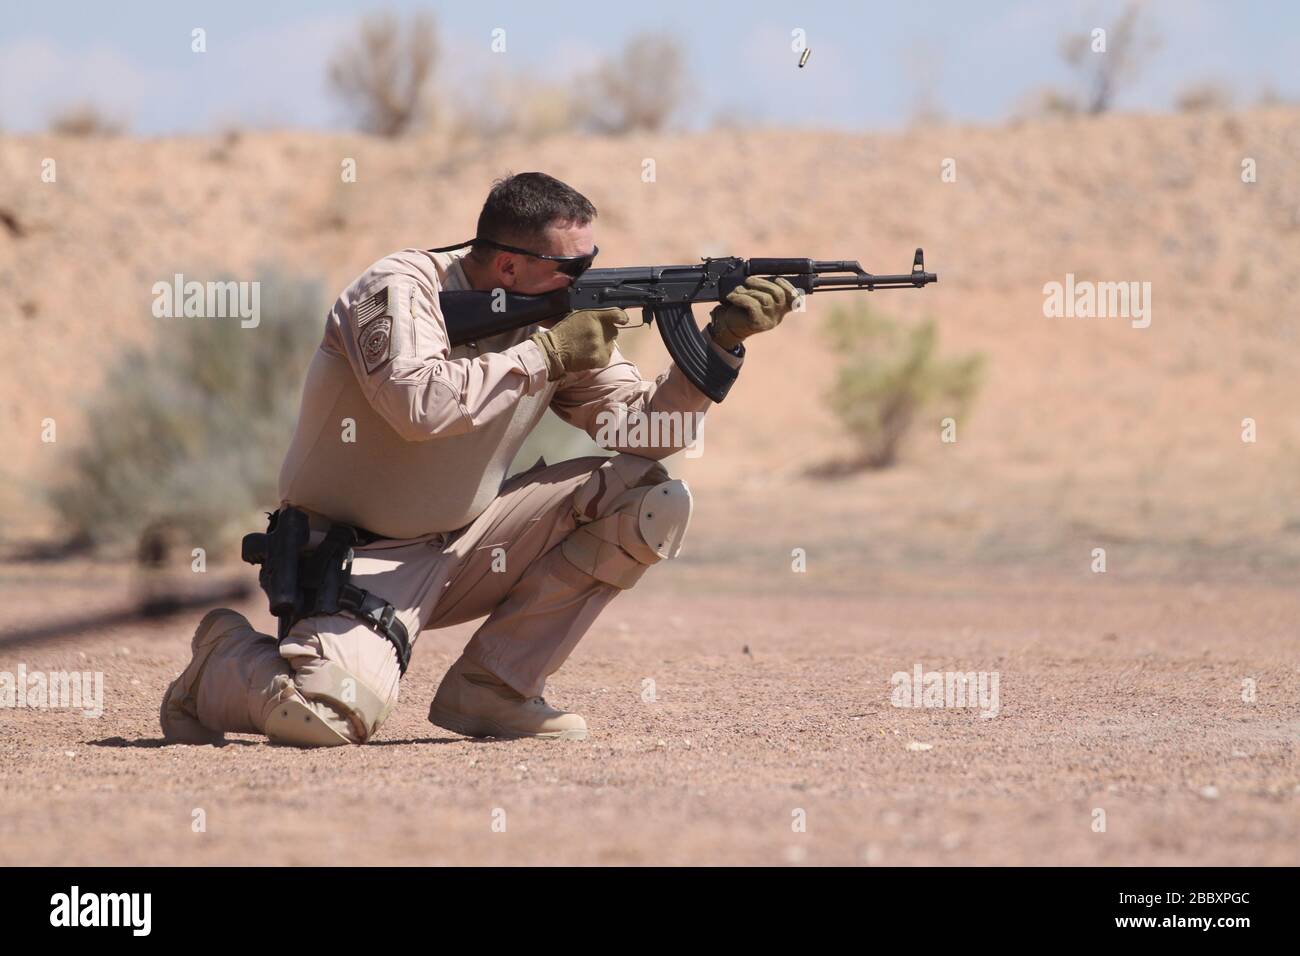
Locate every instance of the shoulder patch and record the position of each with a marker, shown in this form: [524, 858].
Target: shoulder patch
[374, 324]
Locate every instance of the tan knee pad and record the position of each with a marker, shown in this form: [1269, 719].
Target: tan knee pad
[297, 724]
[294, 720]
[646, 526]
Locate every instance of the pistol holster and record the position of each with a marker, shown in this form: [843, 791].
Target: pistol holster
[301, 581]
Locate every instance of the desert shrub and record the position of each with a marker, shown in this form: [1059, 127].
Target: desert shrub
[1099, 76]
[1046, 102]
[1206, 96]
[516, 105]
[889, 374]
[640, 89]
[1128, 48]
[84, 119]
[381, 75]
[193, 432]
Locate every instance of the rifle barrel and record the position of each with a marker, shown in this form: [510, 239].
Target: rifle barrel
[913, 280]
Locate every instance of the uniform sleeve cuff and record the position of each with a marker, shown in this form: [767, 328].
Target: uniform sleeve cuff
[735, 361]
[533, 360]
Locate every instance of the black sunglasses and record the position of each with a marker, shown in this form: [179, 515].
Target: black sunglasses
[568, 265]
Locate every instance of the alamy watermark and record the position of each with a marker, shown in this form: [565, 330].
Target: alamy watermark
[1098, 300]
[622, 427]
[53, 690]
[208, 300]
[75, 908]
[950, 689]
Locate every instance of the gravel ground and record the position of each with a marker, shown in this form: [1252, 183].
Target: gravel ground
[767, 736]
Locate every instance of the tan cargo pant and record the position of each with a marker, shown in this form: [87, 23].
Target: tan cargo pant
[506, 564]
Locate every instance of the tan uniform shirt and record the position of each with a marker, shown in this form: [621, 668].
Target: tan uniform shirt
[402, 435]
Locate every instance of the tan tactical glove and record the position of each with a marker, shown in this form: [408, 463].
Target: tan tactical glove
[757, 306]
[580, 341]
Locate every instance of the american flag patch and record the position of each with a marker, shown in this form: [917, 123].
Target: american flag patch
[376, 304]
[374, 328]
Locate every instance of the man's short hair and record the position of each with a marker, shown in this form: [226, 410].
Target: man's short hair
[521, 205]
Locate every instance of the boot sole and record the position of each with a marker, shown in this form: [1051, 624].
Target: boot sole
[188, 730]
[482, 727]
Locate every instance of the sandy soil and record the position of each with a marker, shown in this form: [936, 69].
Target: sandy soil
[1113, 696]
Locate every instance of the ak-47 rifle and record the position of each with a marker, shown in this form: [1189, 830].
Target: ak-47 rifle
[665, 294]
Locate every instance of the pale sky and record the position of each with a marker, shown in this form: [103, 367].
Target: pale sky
[264, 64]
